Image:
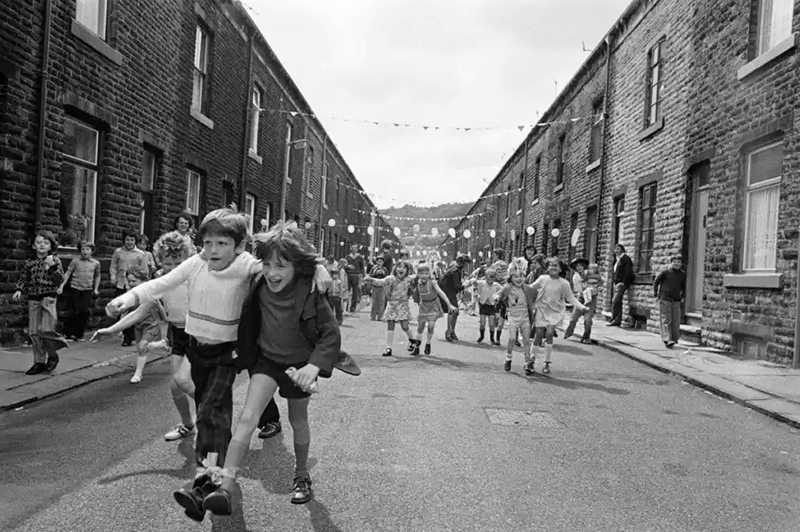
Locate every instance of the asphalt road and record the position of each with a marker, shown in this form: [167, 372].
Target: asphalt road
[428, 444]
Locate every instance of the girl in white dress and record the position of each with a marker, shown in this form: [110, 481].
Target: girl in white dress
[397, 310]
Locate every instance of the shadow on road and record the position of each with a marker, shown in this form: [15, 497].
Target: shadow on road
[571, 384]
[185, 472]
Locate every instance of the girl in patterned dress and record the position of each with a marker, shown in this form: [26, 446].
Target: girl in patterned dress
[397, 287]
[430, 306]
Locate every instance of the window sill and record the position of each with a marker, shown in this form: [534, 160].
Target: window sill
[256, 157]
[558, 188]
[594, 166]
[89, 37]
[288, 180]
[324, 205]
[309, 195]
[652, 130]
[753, 280]
[519, 211]
[200, 117]
[535, 202]
[644, 278]
[767, 57]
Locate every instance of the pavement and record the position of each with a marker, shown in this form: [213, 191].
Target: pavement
[79, 364]
[446, 442]
[769, 388]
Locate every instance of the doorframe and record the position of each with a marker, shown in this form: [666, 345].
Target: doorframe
[692, 188]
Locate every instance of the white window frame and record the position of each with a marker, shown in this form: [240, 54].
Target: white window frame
[655, 78]
[255, 114]
[250, 211]
[200, 69]
[287, 159]
[193, 203]
[93, 15]
[310, 172]
[326, 169]
[86, 204]
[147, 188]
[268, 213]
[773, 182]
[774, 26]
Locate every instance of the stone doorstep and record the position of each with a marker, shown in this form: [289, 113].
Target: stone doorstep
[57, 384]
[777, 408]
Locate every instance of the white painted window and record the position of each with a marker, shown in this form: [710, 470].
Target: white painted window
[200, 71]
[762, 199]
[654, 82]
[149, 169]
[79, 184]
[774, 23]
[255, 113]
[287, 159]
[309, 169]
[326, 171]
[250, 211]
[192, 192]
[93, 14]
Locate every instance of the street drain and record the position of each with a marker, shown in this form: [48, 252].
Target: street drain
[522, 418]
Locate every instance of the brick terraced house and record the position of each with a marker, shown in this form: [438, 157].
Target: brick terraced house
[117, 116]
[676, 136]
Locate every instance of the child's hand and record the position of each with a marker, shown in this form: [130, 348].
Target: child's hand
[60, 290]
[115, 307]
[49, 261]
[97, 334]
[96, 293]
[305, 377]
[322, 279]
[17, 296]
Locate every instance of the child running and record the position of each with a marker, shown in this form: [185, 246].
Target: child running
[290, 338]
[147, 321]
[488, 294]
[41, 281]
[430, 306]
[218, 281]
[397, 310]
[170, 250]
[519, 300]
[552, 294]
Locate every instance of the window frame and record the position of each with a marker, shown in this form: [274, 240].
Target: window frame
[537, 177]
[250, 211]
[508, 202]
[760, 47]
[748, 189]
[596, 132]
[561, 162]
[619, 214]
[573, 225]
[92, 172]
[148, 194]
[590, 234]
[310, 170]
[287, 158]
[326, 169]
[102, 22]
[655, 70]
[520, 189]
[200, 63]
[256, 98]
[193, 208]
[644, 267]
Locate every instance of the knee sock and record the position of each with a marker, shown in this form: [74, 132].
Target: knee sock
[301, 459]
[181, 401]
[141, 360]
[548, 352]
[430, 335]
[534, 351]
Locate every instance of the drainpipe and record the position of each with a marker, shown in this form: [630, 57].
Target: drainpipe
[521, 234]
[321, 195]
[44, 77]
[247, 103]
[797, 317]
[606, 98]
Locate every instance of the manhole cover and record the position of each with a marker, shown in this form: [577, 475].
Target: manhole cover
[522, 418]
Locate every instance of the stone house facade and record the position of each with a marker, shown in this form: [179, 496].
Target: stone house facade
[149, 109]
[676, 137]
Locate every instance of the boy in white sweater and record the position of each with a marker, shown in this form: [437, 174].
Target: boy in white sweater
[218, 280]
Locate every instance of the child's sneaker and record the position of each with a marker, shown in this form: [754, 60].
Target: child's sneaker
[415, 351]
[529, 369]
[387, 352]
[136, 379]
[427, 349]
[507, 365]
[546, 368]
[179, 432]
[302, 492]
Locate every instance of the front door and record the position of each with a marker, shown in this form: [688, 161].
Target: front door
[697, 239]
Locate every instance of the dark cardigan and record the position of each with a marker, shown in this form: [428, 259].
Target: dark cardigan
[530, 299]
[317, 325]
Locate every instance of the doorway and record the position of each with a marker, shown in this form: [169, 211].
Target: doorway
[698, 217]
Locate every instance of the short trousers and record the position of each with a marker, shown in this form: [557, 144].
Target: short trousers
[178, 340]
[277, 372]
[486, 309]
[519, 322]
[147, 334]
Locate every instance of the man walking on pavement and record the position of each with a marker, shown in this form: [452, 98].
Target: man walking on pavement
[451, 284]
[623, 279]
[670, 287]
[355, 271]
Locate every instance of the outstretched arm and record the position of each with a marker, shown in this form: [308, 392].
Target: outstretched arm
[129, 320]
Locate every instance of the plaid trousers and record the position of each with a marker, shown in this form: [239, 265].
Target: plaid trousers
[41, 321]
[213, 373]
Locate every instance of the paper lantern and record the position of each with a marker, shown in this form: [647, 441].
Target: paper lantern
[341, 243]
[530, 230]
[331, 222]
[264, 223]
[555, 232]
[308, 225]
[434, 231]
[370, 230]
[480, 254]
[351, 229]
[576, 234]
[513, 234]
[396, 231]
[416, 228]
[492, 233]
[451, 232]
[467, 233]
[377, 250]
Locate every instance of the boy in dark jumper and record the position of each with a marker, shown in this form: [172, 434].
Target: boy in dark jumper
[670, 287]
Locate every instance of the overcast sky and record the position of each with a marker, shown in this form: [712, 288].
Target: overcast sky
[447, 63]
